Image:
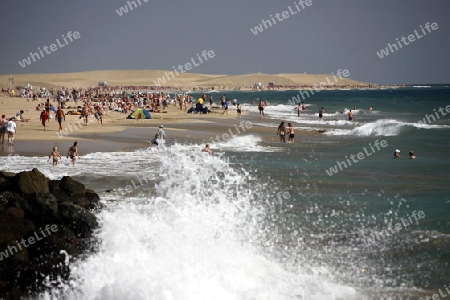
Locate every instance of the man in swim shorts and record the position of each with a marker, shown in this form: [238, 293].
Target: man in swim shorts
[321, 111]
[350, 115]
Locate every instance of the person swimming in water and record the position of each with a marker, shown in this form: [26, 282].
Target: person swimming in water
[396, 154]
[411, 155]
[207, 149]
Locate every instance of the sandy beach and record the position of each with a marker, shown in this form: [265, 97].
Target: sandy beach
[32, 139]
[118, 132]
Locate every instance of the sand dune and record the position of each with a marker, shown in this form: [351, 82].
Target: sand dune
[147, 78]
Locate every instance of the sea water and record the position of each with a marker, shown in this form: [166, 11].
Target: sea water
[264, 220]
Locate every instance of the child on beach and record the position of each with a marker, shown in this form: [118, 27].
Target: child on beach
[55, 154]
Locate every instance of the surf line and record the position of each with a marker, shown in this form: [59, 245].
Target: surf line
[225, 137]
[360, 156]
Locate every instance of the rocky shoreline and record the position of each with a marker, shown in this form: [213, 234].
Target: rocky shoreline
[44, 225]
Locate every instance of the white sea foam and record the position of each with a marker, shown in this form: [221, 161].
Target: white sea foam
[247, 143]
[196, 234]
[384, 127]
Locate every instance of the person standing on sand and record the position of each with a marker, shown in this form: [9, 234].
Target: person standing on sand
[3, 122]
[55, 154]
[73, 153]
[321, 111]
[44, 117]
[225, 108]
[261, 107]
[99, 114]
[11, 130]
[60, 117]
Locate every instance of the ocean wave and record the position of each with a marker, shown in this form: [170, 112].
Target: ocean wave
[199, 233]
[247, 143]
[384, 127]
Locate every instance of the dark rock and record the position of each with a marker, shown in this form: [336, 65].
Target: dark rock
[11, 229]
[93, 200]
[80, 220]
[71, 187]
[28, 203]
[15, 212]
[41, 208]
[5, 179]
[8, 198]
[30, 182]
[53, 186]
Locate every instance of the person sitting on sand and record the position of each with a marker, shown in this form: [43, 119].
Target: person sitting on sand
[396, 154]
[19, 116]
[55, 154]
[411, 155]
[207, 149]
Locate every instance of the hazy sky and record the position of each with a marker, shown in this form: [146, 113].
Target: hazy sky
[326, 36]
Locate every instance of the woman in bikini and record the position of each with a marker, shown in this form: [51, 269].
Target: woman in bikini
[282, 132]
[73, 153]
